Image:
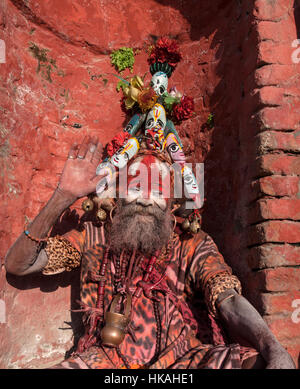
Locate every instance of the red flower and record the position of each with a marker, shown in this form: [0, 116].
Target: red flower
[184, 109]
[165, 50]
[117, 142]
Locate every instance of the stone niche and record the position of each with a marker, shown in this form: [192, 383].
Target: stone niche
[240, 62]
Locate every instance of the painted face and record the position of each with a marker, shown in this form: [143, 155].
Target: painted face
[149, 181]
[124, 154]
[105, 168]
[155, 124]
[159, 83]
[189, 180]
[174, 149]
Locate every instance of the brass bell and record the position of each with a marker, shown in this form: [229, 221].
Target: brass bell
[113, 333]
[87, 205]
[195, 226]
[185, 224]
[101, 215]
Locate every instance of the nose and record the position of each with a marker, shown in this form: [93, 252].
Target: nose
[146, 202]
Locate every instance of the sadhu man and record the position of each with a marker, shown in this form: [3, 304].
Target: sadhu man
[151, 296]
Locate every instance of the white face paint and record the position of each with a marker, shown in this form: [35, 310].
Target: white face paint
[124, 154]
[159, 83]
[120, 160]
[143, 183]
[190, 181]
[156, 119]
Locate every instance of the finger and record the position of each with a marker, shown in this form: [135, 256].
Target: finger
[73, 151]
[83, 148]
[91, 148]
[98, 153]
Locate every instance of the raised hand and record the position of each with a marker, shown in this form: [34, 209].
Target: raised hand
[79, 178]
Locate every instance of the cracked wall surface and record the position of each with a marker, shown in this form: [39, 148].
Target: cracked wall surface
[57, 85]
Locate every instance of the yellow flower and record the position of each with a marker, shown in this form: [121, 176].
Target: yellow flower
[132, 91]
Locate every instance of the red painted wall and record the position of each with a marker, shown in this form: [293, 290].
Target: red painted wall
[237, 63]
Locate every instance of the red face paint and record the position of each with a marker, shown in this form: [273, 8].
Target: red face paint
[148, 175]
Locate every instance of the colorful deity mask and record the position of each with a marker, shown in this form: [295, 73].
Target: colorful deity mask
[174, 149]
[135, 123]
[189, 180]
[155, 125]
[105, 168]
[191, 186]
[124, 154]
[159, 83]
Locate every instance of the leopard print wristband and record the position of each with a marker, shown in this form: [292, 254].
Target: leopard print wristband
[62, 256]
[218, 284]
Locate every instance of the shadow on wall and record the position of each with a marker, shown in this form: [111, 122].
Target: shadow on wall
[202, 16]
[226, 23]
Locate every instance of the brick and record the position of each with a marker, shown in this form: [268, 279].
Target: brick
[276, 185]
[281, 302]
[276, 75]
[273, 140]
[275, 53]
[280, 231]
[280, 279]
[271, 10]
[276, 164]
[279, 118]
[276, 32]
[271, 95]
[283, 327]
[273, 255]
[266, 209]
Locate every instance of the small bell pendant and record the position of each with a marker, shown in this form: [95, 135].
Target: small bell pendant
[87, 205]
[101, 215]
[185, 224]
[195, 227]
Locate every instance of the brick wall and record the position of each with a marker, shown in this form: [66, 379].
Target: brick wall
[274, 255]
[257, 225]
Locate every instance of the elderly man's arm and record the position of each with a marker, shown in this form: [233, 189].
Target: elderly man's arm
[24, 256]
[242, 319]
[78, 179]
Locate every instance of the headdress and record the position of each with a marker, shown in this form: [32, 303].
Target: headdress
[155, 110]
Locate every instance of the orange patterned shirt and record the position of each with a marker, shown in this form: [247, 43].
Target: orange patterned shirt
[190, 335]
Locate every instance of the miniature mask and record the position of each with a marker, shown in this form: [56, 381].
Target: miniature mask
[159, 83]
[155, 125]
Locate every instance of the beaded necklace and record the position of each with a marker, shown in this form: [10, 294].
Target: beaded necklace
[121, 283]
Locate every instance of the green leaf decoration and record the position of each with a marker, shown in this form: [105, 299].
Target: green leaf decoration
[123, 59]
[169, 101]
[120, 85]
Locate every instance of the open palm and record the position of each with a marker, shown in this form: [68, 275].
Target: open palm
[79, 173]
